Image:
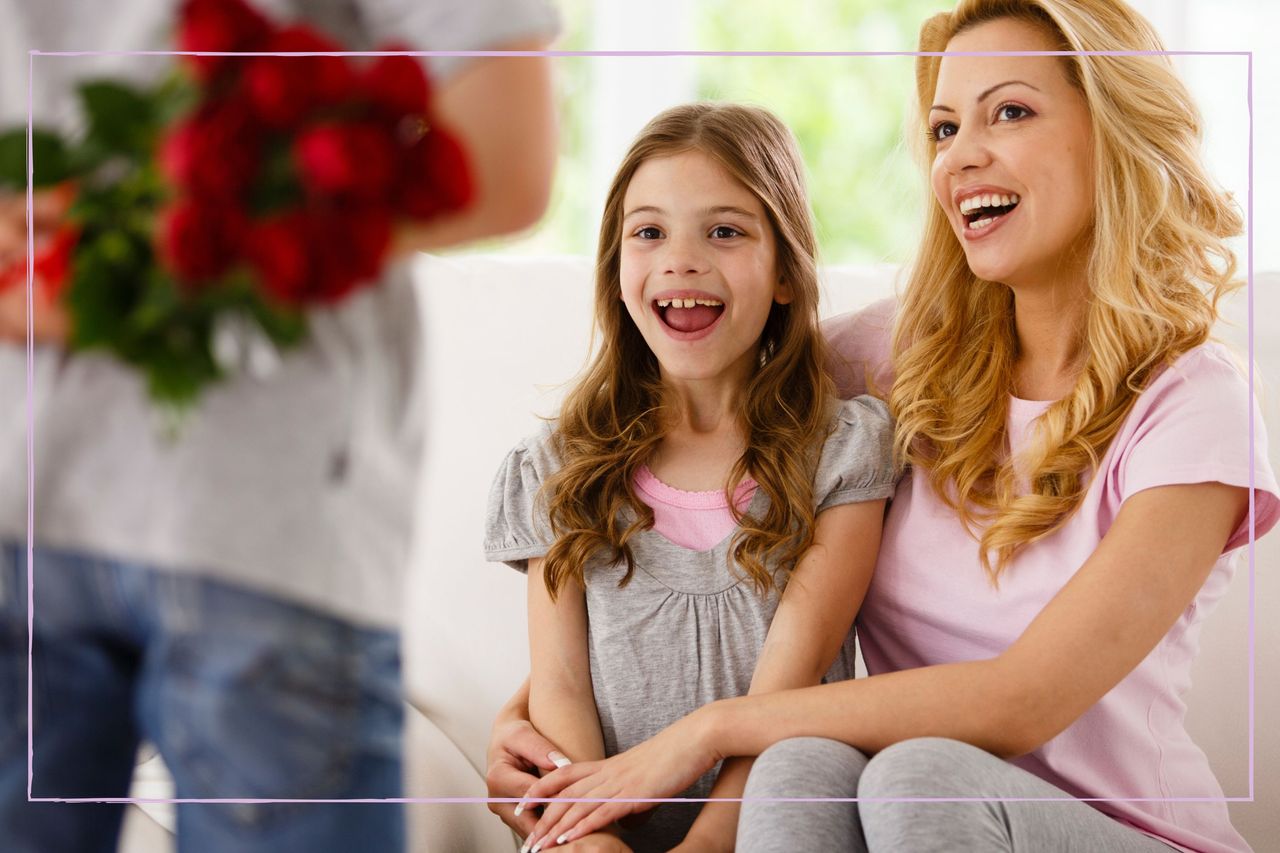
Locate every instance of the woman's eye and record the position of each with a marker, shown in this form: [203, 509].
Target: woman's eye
[648, 232]
[1011, 112]
[942, 130]
[724, 232]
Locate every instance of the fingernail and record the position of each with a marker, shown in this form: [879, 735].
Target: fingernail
[558, 759]
[520, 808]
[524, 848]
[561, 839]
[536, 847]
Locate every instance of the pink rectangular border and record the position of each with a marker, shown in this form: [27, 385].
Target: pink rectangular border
[625, 53]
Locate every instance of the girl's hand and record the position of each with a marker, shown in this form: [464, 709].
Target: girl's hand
[597, 842]
[702, 845]
[662, 766]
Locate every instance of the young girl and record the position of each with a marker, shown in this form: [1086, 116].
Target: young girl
[702, 519]
[1080, 478]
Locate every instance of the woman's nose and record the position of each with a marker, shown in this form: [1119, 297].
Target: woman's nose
[966, 150]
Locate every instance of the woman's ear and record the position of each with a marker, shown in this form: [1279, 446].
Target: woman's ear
[782, 293]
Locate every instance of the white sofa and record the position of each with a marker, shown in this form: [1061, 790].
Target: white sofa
[503, 336]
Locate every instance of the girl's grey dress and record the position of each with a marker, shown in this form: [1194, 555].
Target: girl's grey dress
[688, 628]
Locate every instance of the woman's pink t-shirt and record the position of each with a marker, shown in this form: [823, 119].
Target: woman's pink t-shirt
[930, 601]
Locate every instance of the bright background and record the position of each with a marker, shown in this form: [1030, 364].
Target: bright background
[850, 113]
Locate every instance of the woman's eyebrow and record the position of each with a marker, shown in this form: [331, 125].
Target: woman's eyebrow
[986, 94]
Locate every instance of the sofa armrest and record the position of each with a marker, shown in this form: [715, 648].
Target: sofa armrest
[434, 767]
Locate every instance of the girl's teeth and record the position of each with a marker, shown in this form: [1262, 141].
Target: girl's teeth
[981, 223]
[687, 303]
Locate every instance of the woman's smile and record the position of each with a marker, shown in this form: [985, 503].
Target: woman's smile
[1013, 165]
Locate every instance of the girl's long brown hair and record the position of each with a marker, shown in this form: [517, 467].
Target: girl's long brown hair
[612, 419]
[1156, 270]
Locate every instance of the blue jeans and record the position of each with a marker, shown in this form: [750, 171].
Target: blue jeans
[245, 696]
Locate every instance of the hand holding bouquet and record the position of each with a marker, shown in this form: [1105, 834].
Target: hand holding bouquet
[232, 195]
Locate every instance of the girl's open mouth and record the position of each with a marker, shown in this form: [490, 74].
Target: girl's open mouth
[982, 211]
[689, 315]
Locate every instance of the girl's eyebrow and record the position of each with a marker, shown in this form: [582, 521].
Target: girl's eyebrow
[722, 208]
[986, 94]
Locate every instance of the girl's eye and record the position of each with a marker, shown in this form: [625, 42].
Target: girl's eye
[724, 232]
[648, 232]
[942, 130]
[1011, 112]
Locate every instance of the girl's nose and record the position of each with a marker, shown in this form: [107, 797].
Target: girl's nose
[684, 256]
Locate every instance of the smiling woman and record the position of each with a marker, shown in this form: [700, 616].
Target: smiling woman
[1077, 492]
[1014, 158]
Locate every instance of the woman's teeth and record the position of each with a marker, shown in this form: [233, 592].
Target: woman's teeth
[687, 303]
[981, 210]
[972, 203]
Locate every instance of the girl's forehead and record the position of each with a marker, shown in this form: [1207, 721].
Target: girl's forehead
[683, 179]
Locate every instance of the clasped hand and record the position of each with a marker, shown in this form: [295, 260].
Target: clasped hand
[625, 784]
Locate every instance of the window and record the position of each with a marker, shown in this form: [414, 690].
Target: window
[849, 113]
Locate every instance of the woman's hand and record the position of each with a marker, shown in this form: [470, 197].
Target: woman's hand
[662, 766]
[516, 752]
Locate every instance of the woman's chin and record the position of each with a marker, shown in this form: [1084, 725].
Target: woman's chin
[988, 268]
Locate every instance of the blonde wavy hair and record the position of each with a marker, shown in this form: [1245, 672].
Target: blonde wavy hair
[613, 418]
[1154, 284]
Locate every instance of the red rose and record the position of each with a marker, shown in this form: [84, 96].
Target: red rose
[397, 85]
[215, 153]
[199, 241]
[357, 159]
[284, 90]
[218, 25]
[350, 251]
[52, 267]
[434, 177]
[279, 249]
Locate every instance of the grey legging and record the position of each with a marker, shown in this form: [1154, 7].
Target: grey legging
[926, 768]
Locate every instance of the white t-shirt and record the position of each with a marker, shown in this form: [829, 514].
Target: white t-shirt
[300, 484]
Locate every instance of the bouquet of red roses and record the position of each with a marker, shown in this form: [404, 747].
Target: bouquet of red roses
[234, 194]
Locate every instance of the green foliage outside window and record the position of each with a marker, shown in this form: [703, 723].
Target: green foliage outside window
[848, 113]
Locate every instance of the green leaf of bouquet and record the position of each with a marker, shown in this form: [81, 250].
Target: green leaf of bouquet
[104, 287]
[285, 328]
[49, 161]
[278, 186]
[176, 96]
[121, 119]
[159, 304]
[179, 362]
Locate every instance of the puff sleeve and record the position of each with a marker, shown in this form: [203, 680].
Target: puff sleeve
[857, 459]
[516, 527]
